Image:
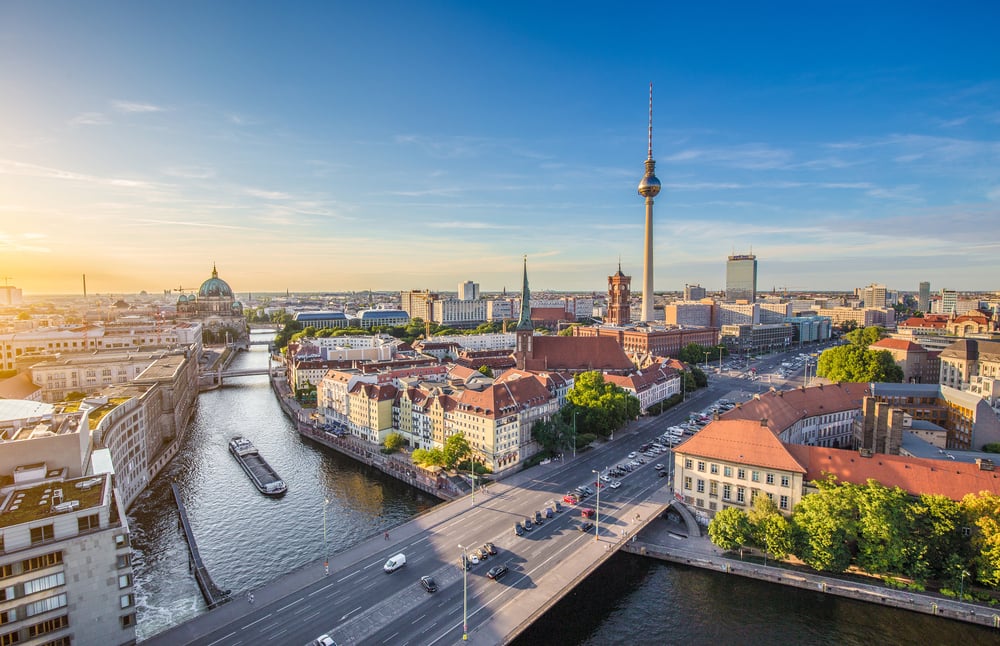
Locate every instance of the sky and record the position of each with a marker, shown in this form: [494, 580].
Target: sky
[338, 146]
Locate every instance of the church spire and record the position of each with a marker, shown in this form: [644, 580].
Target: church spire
[524, 320]
[215, 274]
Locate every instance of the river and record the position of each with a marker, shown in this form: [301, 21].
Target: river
[247, 539]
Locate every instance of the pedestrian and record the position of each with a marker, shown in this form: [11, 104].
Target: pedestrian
[387, 536]
[250, 598]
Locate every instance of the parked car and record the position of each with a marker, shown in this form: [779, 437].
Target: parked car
[571, 498]
[323, 640]
[538, 518]
[497, 572]
[548, 512]
[429, 583]
[586, 527]
[490, 549]
[615, 484]
[527, 525]
[474, 558]
[587, 512]
[518, 530]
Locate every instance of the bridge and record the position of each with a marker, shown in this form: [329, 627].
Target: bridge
[211, 379]
[358, 603]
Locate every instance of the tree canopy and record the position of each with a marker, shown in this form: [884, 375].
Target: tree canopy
[855, 362]
[600, 407]
[456, 449]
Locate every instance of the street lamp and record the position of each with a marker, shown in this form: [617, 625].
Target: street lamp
[961, 586]
[574, 433]
[472, 467]
[721, 348]
[707, 352]
[597, 514]
[326, 546]
[465, 595]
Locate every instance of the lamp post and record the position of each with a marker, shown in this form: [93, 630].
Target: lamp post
[961, 586]
[707, 352]
[465, 595]
[472, 467]
[574, 433]
[597, 514]
[326, 546]
[721, 348]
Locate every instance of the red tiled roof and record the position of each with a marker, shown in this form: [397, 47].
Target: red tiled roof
[927, 322]
[577, 354]
[782, 408]
[914, 475]
[897, 344]
[741, 441]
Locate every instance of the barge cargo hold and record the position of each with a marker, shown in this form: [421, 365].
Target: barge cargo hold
[265, 478]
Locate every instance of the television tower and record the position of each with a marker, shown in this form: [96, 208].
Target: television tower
[649, 188]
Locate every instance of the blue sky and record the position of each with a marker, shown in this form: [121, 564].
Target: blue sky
[404, 145]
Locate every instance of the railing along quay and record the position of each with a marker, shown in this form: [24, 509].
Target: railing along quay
[214, 595]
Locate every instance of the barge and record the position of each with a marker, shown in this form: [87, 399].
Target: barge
[266, 479]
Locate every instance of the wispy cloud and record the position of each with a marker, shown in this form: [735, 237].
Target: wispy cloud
[461, 224]
[23, 243]
[89, 119]
[190, 172]
[129, 107]
[266, 195]
[194, 223]
[11, 167]
[748, 156]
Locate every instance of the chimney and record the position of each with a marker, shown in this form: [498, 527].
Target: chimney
[984, 464]
[866, 453]
[763, 422]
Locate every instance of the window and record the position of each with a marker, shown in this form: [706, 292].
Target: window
[687, 482]
[86, 523]
[44, 583]
[701, 486]
[741, 474]
[713, 469]
[727, 491]
[45, 605]
[727, 471]
[126, 600]
[42, 534]
[6, 570]
[124, 560]
[10, 638]
[127, 620]
[769, 478]
[48, 626]
[7, 593]
[755, 476]
[783, 502]
[687, 463]
[713, 489]
[741, 495]
[124, 580]
[43, 561]
[701, 465]
[784, 481]
[8, 616]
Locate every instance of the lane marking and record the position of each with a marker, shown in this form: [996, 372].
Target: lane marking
[258, 621]
[291, 604]
[348, 576]
[323, 588]
[221, 638]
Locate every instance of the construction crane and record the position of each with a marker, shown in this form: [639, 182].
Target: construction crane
[183, 289]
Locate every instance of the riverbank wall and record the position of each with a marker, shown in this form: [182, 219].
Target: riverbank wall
[700, 552]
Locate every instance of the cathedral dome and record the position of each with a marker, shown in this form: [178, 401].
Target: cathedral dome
[215, 287]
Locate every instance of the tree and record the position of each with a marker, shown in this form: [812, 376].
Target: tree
[730, 529]
[486, 370]
[865, 336]
[825, 526]
[856, 363]
[554, 435]
[769, 529]
[982, 512]
[698, 374]
[883, 529]
[601, 407]
[394, 442]
[428, 457]
[936, 537]
[456, 449]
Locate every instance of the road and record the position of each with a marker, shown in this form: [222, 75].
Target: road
[358, 602]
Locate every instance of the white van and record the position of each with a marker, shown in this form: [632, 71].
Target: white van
[395, 563]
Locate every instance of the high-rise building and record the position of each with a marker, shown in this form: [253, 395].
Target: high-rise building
[949, 301]
[694, 292]
[649, 188]
[418, 303]
[741, 278]
[619, 296]
[924, 297]
[468, 291]
[874, 295]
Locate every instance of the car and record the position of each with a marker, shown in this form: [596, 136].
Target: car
[659, 467]
[605, 477]
[474, 558]
[323, 640]
[481, 554]
[663, 474]
[557, 506]
[466, 563]
[527, 525]
[570, 499]
[497, 572]
[632, 455]
[518, 530]
[588, 490]
[538, 518]
[549, 513]
[599, 484]
[615, 484]
[586, 527]
[490, 549]
[587, 512]
[429, 583]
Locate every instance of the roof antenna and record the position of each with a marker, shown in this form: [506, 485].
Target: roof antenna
[650, 121]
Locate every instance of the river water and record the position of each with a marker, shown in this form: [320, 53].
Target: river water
[247, 539]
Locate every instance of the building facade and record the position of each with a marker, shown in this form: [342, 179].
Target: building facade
[741, 278]
[619, 299]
